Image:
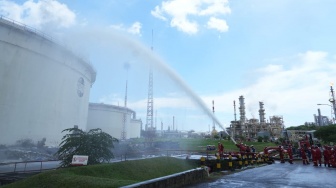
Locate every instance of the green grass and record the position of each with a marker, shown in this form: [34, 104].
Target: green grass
[108, 175]
[126, 172]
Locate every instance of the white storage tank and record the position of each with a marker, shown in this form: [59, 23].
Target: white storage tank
[110, 119]
[44, 87]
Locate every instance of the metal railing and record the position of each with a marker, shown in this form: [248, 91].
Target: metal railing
[28, 166]
[25, 27]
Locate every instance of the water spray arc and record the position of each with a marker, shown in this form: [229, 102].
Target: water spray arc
[154, 61]
[160, 65]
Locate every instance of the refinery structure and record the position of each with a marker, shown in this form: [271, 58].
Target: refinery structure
[45, 89]
[252, 128]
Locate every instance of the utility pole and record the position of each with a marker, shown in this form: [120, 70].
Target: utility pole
[332, 100]
[123, 131]
[213, 111]
[234, 108]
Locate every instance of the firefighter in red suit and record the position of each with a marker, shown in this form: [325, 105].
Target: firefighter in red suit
[220, 149]
[304, 156]
[332, 159]
[281, 154]
[318, 156]
[326, 155]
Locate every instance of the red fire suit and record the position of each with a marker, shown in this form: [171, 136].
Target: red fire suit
[304, 156]
[318, 156]
[326, 156]
[314, 155]
[220, 150]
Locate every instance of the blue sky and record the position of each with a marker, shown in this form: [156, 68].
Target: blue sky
[281, 52]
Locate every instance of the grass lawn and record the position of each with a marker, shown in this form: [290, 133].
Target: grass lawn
[108, 175]
[127, 172]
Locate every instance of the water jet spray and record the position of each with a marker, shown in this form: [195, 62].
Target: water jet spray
[139, 50]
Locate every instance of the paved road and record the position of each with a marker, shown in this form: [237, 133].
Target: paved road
[278, 175]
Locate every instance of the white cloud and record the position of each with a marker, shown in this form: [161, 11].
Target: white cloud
[183, 14]
[218, 24]
[291, 91]
[158, 13]
[39, 14]
[185, 25]
[134, 29]
[216, 7]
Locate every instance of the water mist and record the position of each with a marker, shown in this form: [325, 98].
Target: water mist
[93, 35]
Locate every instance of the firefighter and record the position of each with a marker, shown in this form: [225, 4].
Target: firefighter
[248, 149]
[253, 150]
[318, 156]
[282, 160]
[326, 156]
[304, 156]
[332, 159]
[220, 149]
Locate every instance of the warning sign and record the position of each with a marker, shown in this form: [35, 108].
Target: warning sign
[80, 160]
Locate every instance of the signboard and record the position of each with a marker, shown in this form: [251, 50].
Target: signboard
[79, 160]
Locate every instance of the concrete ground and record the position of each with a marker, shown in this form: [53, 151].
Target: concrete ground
[278, 175]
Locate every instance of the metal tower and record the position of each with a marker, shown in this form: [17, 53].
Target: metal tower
[234, 108]
[123, 131]
[332, 100]
[149, 119]
[213, 111]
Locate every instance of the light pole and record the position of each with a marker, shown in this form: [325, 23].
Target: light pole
[332, 100]
[331, 112]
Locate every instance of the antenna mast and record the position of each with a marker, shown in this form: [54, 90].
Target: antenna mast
[149, 120]
[332, 100]
[123, 131]
[234, 107]
[213, 111]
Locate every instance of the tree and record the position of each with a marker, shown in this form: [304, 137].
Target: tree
[266, 138]
[303, 127]
[260, 139]
[95, 143]
[326, 133]
[40, 144]
[26, 143]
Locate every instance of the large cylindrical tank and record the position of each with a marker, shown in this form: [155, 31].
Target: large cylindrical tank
[44, 87]
[110, 119]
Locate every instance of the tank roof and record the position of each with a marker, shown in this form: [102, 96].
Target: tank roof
[25, 28]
